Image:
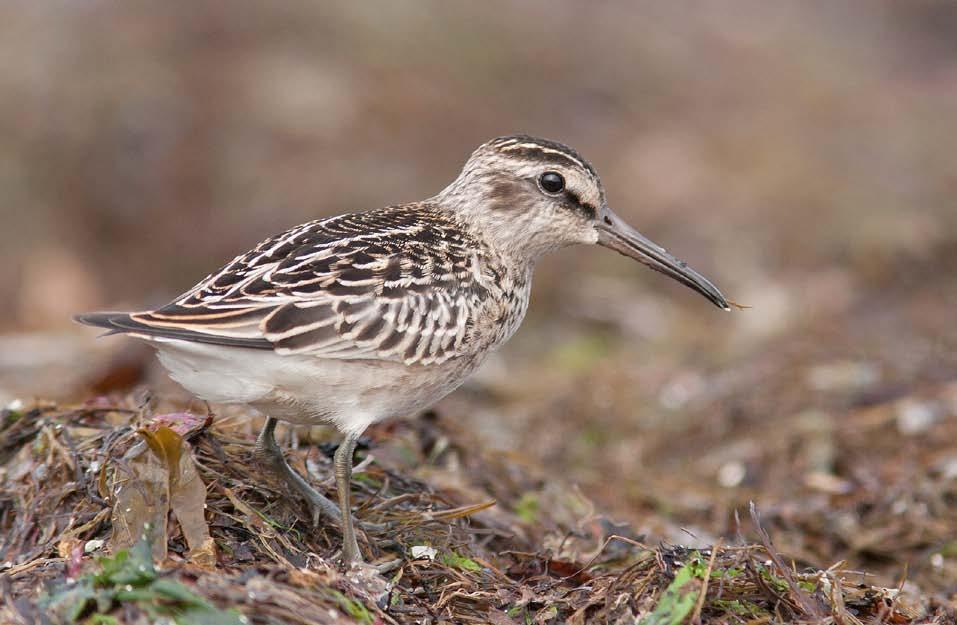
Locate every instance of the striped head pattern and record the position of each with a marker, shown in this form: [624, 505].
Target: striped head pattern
[529, 195]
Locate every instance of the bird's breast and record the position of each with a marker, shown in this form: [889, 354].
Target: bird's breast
[501, 313]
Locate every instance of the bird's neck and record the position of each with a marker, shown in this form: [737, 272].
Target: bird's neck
[508, 230]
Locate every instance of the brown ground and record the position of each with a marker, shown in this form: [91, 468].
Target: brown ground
[844, 445]
[798, 153]
[542, 553]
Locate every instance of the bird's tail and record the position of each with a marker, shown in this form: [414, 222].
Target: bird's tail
[115, 322]
[138, 325]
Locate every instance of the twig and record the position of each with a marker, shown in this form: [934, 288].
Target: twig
[805, 602]
[604, 545]
[696, 614]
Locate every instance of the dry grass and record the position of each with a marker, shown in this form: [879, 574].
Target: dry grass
[558, 563]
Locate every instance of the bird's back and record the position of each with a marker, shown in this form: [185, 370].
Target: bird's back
[406, 283]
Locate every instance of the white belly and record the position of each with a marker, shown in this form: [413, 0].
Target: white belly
[351, 394]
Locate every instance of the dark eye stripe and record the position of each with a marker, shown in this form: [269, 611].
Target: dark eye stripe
[577, 204]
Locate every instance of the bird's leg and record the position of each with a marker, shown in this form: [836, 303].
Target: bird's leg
[270, 457]
[343, 468]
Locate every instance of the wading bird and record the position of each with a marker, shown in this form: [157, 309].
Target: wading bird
[364, 316]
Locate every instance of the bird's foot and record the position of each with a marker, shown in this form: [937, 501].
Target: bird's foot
[350, 552]
[270, 458]
[376, 528]
[376, 568]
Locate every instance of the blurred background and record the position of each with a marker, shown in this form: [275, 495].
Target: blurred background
[799, 154]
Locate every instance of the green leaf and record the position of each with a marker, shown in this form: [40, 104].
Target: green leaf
[175, 591]
[778, 584]
[676, 602]
[209, 616]
[80, 597]
[526, 508]
[582, 352]
[546, 614]
[740, 607]
[8, 417]
[130, 577]
[459, 561]
[133, 567]
[351, 607]
[136, 594]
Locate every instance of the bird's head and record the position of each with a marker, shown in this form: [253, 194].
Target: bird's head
[528, 196]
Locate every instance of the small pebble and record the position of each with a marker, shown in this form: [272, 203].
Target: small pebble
[423, 551]
[948, 468]
[827, 483]
[681, 390]
[731, 474]
[843, 375]
[914, 417]
[92, 545]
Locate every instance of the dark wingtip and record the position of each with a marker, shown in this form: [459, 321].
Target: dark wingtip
[101, 319]
[122, 323]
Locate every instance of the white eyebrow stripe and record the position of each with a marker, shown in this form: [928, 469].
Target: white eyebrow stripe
[541, 148]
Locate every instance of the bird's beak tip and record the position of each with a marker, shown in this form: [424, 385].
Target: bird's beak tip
[615, 234]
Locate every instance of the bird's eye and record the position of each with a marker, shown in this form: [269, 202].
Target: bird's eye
[552, 182]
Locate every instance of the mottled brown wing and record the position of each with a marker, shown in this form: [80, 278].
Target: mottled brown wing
[394, 284]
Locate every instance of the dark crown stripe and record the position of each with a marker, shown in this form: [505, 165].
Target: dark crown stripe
[533, 153]
[530, 147]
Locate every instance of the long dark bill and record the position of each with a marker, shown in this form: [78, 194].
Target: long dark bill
[615, 234]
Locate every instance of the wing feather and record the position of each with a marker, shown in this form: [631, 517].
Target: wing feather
[395, 284]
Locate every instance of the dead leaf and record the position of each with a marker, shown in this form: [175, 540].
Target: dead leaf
[497, 617]
[141, 502]
[67, 546]
[165, 479]
[461, 511]
[573, 571]
[166, 445]
[188, 502]
[183, 423]
[102, 486]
